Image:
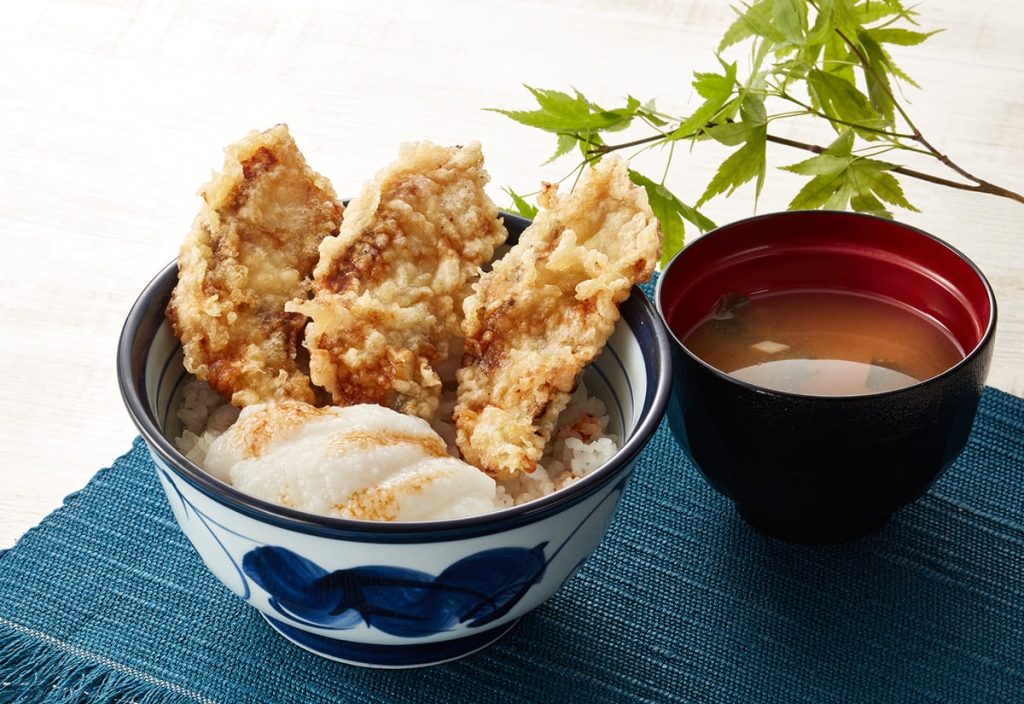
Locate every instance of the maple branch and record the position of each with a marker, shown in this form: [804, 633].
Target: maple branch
[977, 186]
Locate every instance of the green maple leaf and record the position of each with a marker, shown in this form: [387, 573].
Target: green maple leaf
[749, 162]
[837, 58]
[558, 112]
[874, 178]
[743, 27]
[671, 213]
[841, 101]
[520, 206]
[876, 74]
[840, 178]
[790, 19]
[566, 143]
[574, 113]
[870, 205]
[875, 10]
[756, 21]
[717, 90]
[899, 36]
[573, 118]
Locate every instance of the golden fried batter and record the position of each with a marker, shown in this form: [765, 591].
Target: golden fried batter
[544, 311]
[253, 246]
[390, 286]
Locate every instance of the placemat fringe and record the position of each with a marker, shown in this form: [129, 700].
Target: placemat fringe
[36, 668]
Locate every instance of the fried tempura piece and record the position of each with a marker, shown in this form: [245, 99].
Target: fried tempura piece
[544, 311]
[390, 286]
[252, 247]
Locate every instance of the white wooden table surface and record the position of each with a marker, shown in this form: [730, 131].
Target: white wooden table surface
[112, 114]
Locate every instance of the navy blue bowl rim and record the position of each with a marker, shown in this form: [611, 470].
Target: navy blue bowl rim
[983, 343]
[653, 338]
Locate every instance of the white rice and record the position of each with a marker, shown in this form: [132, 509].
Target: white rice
[581, 442]
[204, 414]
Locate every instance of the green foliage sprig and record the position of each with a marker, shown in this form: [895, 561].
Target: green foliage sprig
[816, 59]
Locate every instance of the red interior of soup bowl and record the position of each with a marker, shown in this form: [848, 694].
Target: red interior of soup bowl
[835, 250]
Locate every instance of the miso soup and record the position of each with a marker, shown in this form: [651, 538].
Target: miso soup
[823, 342]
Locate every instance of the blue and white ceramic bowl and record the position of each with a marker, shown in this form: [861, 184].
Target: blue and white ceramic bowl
[394, 594]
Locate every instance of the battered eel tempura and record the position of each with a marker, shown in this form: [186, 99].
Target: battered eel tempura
[390, 286]
[252, 247]
[544, 311]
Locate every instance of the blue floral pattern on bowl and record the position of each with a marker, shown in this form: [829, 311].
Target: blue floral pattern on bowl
[475, 591]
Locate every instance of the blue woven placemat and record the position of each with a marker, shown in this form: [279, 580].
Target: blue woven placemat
[106, 601]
